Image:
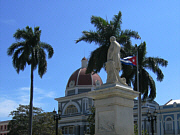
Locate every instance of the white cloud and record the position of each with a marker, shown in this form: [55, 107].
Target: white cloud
[10, 103]
[44, 94]
[25, 89]
[7, 106]
[38, 92]
[50, 94]
[23, 99]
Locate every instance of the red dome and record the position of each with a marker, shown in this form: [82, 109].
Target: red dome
[80, 78]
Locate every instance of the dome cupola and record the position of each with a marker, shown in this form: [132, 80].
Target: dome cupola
[84, 62]
[80, 82]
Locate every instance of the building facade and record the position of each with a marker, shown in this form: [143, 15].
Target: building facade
[75, 107]
[146, 106]
[4, 127]
[76, 103]
[168, 120]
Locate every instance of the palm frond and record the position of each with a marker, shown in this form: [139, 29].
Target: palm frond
[22, 61]
[153, 64]
[20, 34]
[122, 39]
[99, 54]
[42, 63]
[143, 80]
[152, 85]
[48, 48]
[117, 21]
[90, 37]
[147, 85]
[15, 46]
[131, 33]
[99, 23]
[141, 53]
[25, 34]
[158, 61]
[37, 34]
[19, 61]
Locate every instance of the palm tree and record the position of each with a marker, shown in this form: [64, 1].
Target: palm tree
[146, 83]
[30, 50]
[101, 37]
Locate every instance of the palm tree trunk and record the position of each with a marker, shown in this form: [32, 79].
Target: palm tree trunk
[31, 103]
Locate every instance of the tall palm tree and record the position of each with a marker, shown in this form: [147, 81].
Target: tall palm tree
[101, 37]
[30, 50]
[146, 83]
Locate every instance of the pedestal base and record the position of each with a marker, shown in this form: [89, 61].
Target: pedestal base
[114, 109]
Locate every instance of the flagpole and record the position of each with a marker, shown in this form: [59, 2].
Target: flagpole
[139, 98]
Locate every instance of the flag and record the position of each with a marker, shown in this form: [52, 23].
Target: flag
[130, 60]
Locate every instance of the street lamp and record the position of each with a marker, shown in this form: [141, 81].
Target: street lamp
[57, 116]
[152, 118]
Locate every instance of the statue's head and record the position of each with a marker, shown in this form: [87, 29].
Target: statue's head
[112, 38]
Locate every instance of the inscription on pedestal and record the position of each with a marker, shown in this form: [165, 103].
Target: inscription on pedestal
[114, 109]
[106, 121]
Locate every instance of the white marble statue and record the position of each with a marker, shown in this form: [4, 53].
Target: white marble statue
[114, 53]
[113, 64]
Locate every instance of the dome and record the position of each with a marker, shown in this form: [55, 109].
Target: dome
[80, 78]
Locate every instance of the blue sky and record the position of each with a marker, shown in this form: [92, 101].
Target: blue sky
[61, 22]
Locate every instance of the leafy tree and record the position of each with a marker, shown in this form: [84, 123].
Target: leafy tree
[43, 122]
[101, 37]
[19, 123]
[91, 121]
[30, 50]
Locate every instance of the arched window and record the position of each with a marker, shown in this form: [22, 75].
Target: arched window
[169, 125]
[71, 109]
[85, 105]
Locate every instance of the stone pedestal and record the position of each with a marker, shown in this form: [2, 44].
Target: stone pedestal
[114, 109]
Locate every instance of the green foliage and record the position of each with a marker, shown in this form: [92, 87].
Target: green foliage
[43, 122]
[136, 131]
[29, 50]
[91, 121]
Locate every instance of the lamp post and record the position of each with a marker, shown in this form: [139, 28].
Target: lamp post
[57, 116]
[152, 118]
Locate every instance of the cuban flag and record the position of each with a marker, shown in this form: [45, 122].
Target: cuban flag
[130, 60]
